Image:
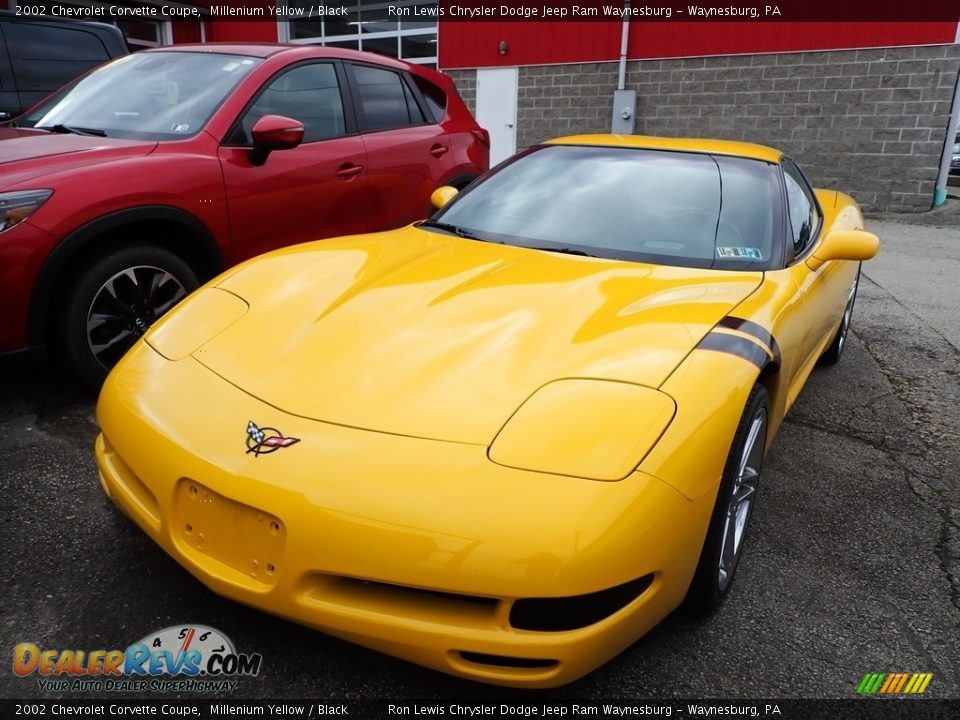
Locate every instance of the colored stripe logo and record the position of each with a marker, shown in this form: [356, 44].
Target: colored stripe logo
[894, 683]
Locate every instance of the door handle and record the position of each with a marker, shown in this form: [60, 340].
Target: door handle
[348, 171]
[439, 150]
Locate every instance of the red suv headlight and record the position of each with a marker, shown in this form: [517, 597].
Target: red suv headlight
[15, 207]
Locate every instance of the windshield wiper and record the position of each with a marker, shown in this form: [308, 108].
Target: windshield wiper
[451, 228]
[565, 251]
[72, 130]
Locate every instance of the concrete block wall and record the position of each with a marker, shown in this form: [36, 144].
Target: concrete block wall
[871, 122]
[466, 81]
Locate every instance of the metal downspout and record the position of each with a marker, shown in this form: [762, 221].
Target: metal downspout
[940, 193]
[624, 41]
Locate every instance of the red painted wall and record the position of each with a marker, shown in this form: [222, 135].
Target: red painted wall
[185, 32]
[467, 45]
[246, 31]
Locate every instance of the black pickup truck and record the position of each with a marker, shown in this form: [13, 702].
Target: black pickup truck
[37, 56]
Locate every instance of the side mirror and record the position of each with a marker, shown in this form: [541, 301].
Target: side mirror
[442, 195]
[844, 245]
[274, 132]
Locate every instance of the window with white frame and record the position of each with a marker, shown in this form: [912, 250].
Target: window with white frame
[404, 29]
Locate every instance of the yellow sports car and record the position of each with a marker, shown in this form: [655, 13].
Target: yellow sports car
[504, 442]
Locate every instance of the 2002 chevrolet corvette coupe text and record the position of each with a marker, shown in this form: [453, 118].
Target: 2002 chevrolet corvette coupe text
[506, 441]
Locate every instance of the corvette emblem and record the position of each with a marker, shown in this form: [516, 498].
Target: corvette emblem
[262, 441]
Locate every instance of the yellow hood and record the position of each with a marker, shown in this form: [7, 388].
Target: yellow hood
[422, 334]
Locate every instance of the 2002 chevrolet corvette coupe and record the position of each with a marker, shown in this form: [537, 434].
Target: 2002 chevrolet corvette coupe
[506, 441]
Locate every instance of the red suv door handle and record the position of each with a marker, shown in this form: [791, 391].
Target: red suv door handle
[439, 150]
[348, 171]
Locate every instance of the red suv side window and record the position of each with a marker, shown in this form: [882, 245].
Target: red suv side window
[435, 97]
[385, 100]
[308, 93]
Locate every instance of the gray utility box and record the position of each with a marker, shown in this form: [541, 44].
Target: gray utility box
[624, 112]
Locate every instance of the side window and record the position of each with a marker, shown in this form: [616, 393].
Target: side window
[435, 97]
[385, 100]
[804, 216]
[413, 110]
[46, 57]
[308, 93]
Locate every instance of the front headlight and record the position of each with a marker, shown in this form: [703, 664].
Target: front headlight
[198, 319]
[15, 207]
[594, 429]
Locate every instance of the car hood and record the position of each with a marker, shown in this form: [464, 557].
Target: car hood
[9, 132]
[31, 154]
[421, 334]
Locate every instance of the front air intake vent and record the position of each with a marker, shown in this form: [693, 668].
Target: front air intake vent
[577, 611]
[505, 661]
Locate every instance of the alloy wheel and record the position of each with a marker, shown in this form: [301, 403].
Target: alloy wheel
[847, 315]
[740, 500]
[124, 308]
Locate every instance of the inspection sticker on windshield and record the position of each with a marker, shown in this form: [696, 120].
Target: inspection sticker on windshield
[744, 253]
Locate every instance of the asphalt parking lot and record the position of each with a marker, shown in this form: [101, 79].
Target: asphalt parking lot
[853, 565]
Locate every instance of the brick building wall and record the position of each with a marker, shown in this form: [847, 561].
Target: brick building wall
[871, 122]
[466, 81]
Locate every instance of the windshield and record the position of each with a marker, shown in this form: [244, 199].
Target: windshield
[145, 96]
[956, 149]
[665, 207]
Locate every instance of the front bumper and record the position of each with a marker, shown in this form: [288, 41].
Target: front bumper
[414, 547]
[23, 250]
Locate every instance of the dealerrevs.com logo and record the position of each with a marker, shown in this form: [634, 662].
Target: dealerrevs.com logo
[180, 658]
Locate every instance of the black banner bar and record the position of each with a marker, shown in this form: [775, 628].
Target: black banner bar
[509, 11]
[855, 709]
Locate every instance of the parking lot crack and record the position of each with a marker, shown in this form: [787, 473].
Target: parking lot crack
[929, 489]
[947, 551]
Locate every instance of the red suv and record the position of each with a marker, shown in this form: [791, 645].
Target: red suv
[124, 191]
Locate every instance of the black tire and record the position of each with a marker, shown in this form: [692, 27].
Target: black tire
[832, 355]
[710, 584]
[461, 182]
[109, 300]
